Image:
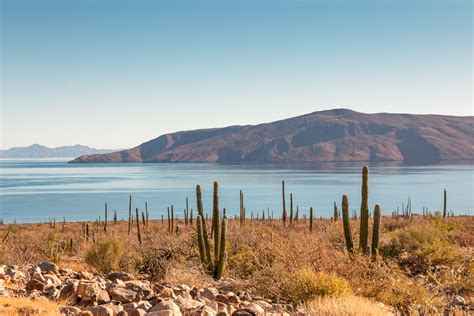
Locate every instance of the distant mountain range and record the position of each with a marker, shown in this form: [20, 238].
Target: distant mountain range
[333, 135]
[39, 151]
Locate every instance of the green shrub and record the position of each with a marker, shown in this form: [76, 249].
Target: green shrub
[105, 255]
[305, 284]
[420, 247]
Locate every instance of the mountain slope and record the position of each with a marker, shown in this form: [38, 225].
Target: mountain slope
[334, 135]
[39, 151]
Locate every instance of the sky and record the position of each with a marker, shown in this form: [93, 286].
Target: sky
[113, 74]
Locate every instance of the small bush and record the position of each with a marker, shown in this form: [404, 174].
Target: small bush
[305, 284]
[105, 255]
[421, 247]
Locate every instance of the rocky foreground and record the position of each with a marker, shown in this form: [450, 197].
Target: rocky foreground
[120, 294]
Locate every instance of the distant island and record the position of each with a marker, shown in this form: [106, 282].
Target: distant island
[333, 135]
[39, 151]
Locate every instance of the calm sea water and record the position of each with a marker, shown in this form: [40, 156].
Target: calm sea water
[35, 190]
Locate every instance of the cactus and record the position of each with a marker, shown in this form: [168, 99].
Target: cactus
[291, 209]
[220, 262]
[138, 227]
[444, 204]
[310, 219]
[105, 218]
[129, 214]
[242, 209]
[283, 202]
[347, 225]
[336, 214]
[172, 219]
[364, 210]
[376, 230]
[169, 221]
[147, 215]
[204, 226]
[216, 221]
[200, 238]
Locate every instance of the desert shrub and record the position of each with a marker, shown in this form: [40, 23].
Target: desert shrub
[300, 286]
[105, 255]
[154, 261]
[423, 246]
[242, 261]
[305, 284]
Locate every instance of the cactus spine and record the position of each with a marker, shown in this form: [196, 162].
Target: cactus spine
[346, 224]
[376, 230]
[364, 210]
[204, 227]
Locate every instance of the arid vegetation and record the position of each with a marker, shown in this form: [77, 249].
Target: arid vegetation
[420, 263]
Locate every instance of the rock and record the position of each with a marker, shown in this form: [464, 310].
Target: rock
[53, 279]
[122, 295]
[123, 276]
[163, 291]
[2, 270]
[257, 309]
[116, 307]
[123, 313]
[142, 289]
[68, 289]
[205, 311]
[145, 305]
[210, 293]
[101, 311]
[222, 298]
[130, 305]
[233, 299]
[167, 305]
[244, 312]
[103, 297]
[37, 276]
[87, 290]
[137, 312]
[264, 305]
[188, 303]
[46, 266]
[86, 313]
[459, 300]
[34, 285]
[73, 310]
[86, 275]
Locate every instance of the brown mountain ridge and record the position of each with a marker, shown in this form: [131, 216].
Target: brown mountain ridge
[332, 135]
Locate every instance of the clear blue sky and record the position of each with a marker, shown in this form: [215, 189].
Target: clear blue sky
[116, 73]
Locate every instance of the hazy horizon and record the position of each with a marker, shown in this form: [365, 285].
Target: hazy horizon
[113, 75]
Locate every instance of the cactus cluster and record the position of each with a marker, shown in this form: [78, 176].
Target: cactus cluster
[219, 229]
[364, 221]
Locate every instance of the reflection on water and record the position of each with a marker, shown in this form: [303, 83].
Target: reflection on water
[34, 190]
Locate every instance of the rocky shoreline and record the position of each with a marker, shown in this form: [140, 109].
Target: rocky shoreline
[121, 294]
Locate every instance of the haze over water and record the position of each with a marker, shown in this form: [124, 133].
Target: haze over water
[35, 190]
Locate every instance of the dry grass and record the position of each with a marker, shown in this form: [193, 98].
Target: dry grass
[21, 306]
[345, 306]
[263, 257]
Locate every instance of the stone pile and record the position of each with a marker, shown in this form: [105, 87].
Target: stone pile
[120, 294]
